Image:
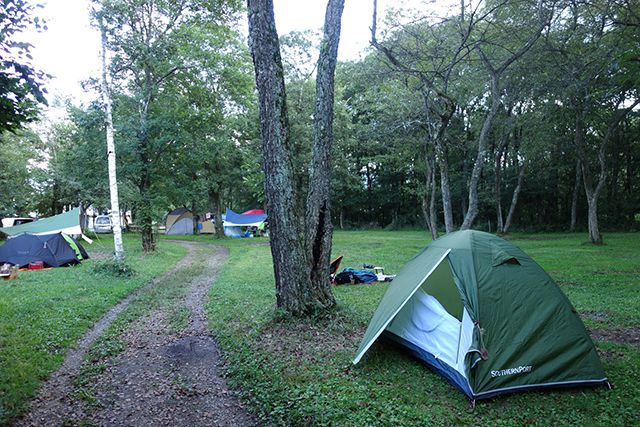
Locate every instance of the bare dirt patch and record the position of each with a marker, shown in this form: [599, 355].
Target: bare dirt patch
[619, 335]
[159, 379]
[308, 342]
[597, 316]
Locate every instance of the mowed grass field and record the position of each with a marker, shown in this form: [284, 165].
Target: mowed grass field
[45, 312]
[300, 372]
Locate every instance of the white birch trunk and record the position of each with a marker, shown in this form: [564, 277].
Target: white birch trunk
[111, 155]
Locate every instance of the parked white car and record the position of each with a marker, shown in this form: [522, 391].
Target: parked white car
[10, 222]
[103, 224]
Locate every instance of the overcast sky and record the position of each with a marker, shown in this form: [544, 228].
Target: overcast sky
[69, 49]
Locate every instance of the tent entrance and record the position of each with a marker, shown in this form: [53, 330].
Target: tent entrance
[435, 321]
[440, 285]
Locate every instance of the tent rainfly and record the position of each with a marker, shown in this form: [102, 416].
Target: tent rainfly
[67, 223]
[484, 315]
[233, 219]
[254, 212]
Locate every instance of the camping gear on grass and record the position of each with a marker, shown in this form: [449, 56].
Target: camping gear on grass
[355, 276]
[484, 315]
[36, 265]
[205, 226]
[233, 232]
[8, 272]
[52, 250]
[334, 266]
[379, 272]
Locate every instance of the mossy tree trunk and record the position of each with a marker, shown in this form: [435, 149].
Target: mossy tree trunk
[319, 229]
[300, 259]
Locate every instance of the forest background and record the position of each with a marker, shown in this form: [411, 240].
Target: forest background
[500, 115]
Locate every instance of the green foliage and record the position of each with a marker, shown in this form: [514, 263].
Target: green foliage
[392, 112]
[202, 125]
[19, 175]
[181, 93]
[301, 372]
[76, 172]
[21, 84]
[44, 312]
[112, 268]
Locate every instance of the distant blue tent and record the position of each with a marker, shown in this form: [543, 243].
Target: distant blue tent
[233, 219]
[233, 231]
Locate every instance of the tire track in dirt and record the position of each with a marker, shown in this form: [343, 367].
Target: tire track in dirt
[159, 379]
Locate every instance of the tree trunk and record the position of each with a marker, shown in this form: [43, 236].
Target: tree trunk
[468, 137]
[514, 201]
[498, 164]
[369, 192]
[432, 207]
[216, 209]
[442, 153]
[428, 200]
[592, 217]
[145, 216]
[443, 165]
[195, 217]
[593, 191]
[294, 291]
[111, 154]
[143, 149]
[318, 214]
[472, 210]
[495, 73]
[587, 179]
[574, 198]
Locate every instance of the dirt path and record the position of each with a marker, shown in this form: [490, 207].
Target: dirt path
[160, 378]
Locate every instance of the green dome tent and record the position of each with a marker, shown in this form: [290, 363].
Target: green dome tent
[484, 315]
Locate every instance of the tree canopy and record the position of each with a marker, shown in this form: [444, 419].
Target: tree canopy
[519, 115]
[21, 84]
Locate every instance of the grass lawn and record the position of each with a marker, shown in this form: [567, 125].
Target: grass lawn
[300, 372]
[43, 313]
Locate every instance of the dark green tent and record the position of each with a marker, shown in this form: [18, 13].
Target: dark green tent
[483, 314]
